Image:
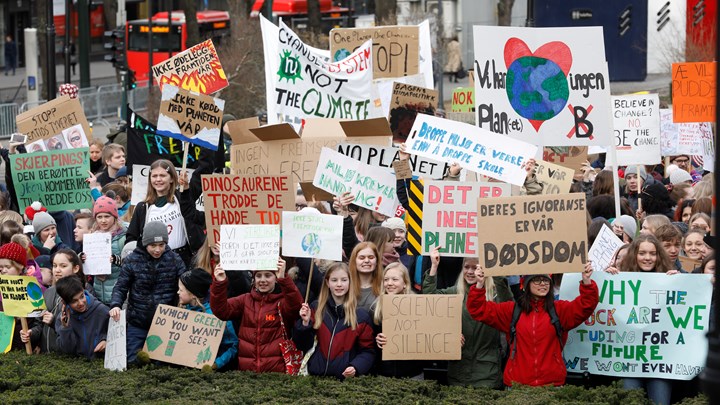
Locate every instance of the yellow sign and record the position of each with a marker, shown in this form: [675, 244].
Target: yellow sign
[21, 296]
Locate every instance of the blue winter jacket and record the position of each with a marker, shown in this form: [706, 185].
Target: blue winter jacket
[228, 344]
[85, 330]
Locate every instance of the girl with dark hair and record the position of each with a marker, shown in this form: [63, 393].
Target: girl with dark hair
[656, 200]
[683, 210]
[537, 329]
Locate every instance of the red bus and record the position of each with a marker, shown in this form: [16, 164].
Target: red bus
[294, 14]
[169, 39]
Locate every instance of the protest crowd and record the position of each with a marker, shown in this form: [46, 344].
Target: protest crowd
[528, 270]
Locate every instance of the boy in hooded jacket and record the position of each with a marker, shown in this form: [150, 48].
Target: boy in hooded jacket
[82, 325]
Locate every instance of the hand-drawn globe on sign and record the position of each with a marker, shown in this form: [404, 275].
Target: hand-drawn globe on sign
[536, 87]
[341, 54]
[311, 244]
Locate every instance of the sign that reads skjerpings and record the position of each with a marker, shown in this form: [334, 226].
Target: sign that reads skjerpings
[532, 234]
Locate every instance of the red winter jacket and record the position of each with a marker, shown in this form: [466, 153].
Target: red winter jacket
[538, 357]
[259, 333]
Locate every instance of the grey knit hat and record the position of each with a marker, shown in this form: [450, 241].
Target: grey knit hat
[41, 221]
[154, 232]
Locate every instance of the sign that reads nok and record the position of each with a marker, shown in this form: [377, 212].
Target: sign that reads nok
[196, 69]
[646, 325]
[183, 337]
[532, 234]
[450, 215]
[422, 327]
[636, 120]
[244, 200]
[21, 296]
[49, 119]
[308, 233]
[249, 247]
[190, 117]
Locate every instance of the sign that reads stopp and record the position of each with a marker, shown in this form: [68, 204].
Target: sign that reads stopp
[532, 234]
[55, 178]
[422, 327]
[244, 200]
[190, 117]
[49, 119]
[450, 215]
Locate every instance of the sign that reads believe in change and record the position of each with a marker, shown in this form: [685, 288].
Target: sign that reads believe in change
[190, 117]
[532, 234]
[450, 215]
[646, 325]
[546, 86]
[636, 120]
[481, 151]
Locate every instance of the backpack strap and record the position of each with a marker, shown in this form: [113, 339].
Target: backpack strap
[555, 321]
[513, 324]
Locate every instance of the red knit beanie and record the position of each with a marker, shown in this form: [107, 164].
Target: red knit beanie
[106, 205]
[15, 252]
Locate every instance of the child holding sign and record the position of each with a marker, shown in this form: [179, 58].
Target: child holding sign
[337, 321]
[12, 263]
[106, 220]
[82, 325]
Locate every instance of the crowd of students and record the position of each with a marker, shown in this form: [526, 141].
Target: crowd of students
[513, 329]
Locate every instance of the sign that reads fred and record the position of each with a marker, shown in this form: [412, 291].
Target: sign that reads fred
[190, 117]
[197, 69]
[183, 337]
[249, 247]
[244, 200]
[646, 325]
[422, 327]
[450, 215]
[532, 234]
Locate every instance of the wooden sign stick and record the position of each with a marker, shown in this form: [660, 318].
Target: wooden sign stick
[28, 345]
[307, 290]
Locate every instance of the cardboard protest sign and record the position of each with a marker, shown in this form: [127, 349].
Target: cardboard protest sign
[374, 188]
[278, 149]
[116, 348]
[301, 84]
[693, 91]
[243, 200]
[546, 86]
[49, 119]
[183, 337]
[555, 179]
[481, 151]
[603, 249]
[450, 215]
[386, 156]
[249, 247]
[646, 325]
[422, 327]
[402, 169]
[532, 234]
[308, 233]
[7, 330]
[98, 250]
[140, 178]
[21, 296]
[394, 48]
[462, 100]
[239, 130]
[571, 157]
[55, 178]
[689, 264]
[196, 69]
[406, 103]
[190, 117]
[636, 120]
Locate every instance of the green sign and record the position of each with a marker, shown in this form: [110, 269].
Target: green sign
[7, 327]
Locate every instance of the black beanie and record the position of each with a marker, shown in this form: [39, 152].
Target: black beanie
[528, 278]
[197, 281]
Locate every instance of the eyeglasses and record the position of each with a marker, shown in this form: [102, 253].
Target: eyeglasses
[300, 206]
[681, 160]
[540, 281]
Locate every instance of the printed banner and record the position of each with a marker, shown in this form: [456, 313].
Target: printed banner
[196, 69]
[186, 338]
[249, 247]
[55, 178]
[244, 200]
[422, 327]
[116, 349]
[532, 234]
[7, 330]
[546, 86]
[384, 157]
[462, 100]
[98, 250]
[301, 84]
[603, 249]
[394, 48]
[636, 120]
[50, 119]
[646, 325]
[496, 156]
[450, 215]
[190, 117]
[406, 103]
[693, 91]
[308, 233]
[373, 187]
[555, 179]
[21, 296]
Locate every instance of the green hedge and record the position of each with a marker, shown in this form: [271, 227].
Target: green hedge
[61, 380]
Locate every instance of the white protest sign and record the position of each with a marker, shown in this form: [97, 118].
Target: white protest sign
[141, 174]
[648, 325]
[603, 249]
[708, 154]
[497, 156]
[98, 250]
[684, 138]
[668, 133]
[308, 233]
[373, 187]
[636, 122]
[249, 247]
[116, 348]
[450, 215]
[383, 157]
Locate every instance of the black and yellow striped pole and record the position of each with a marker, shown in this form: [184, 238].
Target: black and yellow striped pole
[414, 217]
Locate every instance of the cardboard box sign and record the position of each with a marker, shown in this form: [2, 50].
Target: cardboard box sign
[49, 119]
[395, 48]
[279, 150]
